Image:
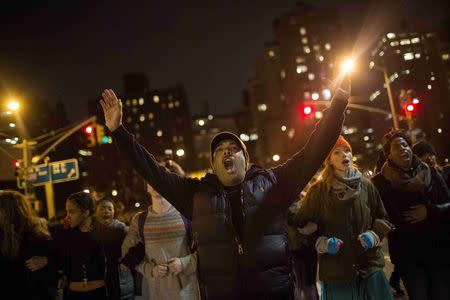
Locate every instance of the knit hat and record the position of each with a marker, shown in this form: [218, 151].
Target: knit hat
[423, 147]
[341, 142]
[226, 135]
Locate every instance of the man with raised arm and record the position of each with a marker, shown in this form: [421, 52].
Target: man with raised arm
[238, 211]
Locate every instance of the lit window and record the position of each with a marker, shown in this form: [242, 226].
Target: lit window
[394, 43]
[415, 40]
[150, 116]
[417, 55]
[142, 118]
[129, 120]
[201, 122]
[391, 35]
[328, 46]
[163, 106]
[439, 130]
[302, 30]
[398, 51]
[307, 95]
[306, 49]
[321, 58]
[141, 101]
[405, 42]
[271, 53]
[406, 72]
[134, 101]
[283, 128]
[318, 115]
[174, 139]
[381, 53]
[283, 74]
[177, 103]
[156, 98]
[315, 96]
[408, 56]
[159, 133]
[311, 76]
[134, 110]
[170, 105]
[429, 86]
[366, 138]
[170, 97]
[262, 107]
[432, 78]
[316, 47]
[127, 102]
[301, 69]
[304, 40]
[299, 60]
[445, 56]
[326, 93]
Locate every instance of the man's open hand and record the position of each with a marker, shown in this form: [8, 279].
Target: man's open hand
[112, 109]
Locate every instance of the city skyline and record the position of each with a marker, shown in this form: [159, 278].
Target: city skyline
[71, 52]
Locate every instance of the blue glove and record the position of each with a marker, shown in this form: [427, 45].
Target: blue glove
[367, 240]
[334, 244]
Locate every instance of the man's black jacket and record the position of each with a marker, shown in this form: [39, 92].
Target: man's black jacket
[256, 264]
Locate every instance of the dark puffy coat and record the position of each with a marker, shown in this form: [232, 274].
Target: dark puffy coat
[256, 265]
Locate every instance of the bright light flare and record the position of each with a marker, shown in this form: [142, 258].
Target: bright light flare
[13, 105]
[347, 65]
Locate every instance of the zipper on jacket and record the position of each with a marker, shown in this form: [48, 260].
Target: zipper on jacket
[240, 248]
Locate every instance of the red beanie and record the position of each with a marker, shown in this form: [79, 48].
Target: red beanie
[341, 142]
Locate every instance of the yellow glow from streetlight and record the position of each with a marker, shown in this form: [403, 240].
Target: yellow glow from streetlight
[13, 105]
[347, 65]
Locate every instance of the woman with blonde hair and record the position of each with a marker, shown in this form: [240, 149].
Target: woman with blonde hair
[351, 223]
[23, 249]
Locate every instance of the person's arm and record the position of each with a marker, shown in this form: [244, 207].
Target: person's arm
[179, 191]
[189, 263]
[295, 173]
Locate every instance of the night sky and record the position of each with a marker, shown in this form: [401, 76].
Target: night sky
[70, 50]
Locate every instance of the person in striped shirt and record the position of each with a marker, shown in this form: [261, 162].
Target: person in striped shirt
[169, 268]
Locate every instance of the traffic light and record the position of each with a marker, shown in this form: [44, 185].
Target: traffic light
[305, 110]
[411, 107]
[90, 135]
[100, 133]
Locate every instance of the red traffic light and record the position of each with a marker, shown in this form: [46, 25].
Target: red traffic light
[307, 110]
[410, 107]
[16, 164]
[88, 130]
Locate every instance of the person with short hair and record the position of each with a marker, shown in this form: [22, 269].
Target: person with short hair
[238, 212]
[418, 205]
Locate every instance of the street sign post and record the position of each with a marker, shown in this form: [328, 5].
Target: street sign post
[54, 172]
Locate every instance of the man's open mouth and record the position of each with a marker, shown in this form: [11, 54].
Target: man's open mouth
[228, 163]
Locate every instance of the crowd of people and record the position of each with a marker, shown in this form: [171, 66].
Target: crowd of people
[244, 232]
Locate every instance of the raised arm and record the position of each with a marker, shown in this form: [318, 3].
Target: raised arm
[177, 190]
[295, 173]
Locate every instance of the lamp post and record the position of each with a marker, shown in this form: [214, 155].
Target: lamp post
[389, 92]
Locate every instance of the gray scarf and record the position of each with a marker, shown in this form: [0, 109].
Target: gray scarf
[347, 187]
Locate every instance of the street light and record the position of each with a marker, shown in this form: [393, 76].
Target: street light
[13, 105]
[372, 65]
[347, 65]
